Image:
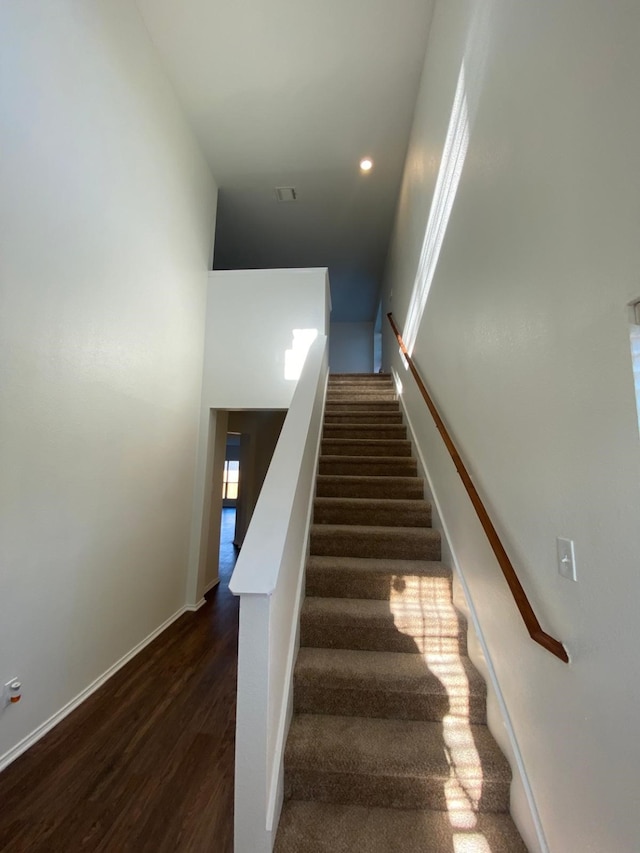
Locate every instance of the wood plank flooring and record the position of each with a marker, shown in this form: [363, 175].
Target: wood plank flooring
[147, 762]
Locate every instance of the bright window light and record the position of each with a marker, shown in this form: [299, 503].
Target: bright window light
[295, 357]
[635, 354]
[453, 157]
[230, 478]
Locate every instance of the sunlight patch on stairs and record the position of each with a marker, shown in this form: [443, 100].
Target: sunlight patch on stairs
[422, 607]
[473, 843]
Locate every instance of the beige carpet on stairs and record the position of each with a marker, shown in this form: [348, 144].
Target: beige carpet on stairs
[388, 750]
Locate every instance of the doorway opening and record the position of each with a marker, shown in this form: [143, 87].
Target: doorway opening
[240, 447]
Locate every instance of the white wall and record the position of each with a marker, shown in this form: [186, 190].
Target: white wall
[351, 348]
[106, 223]
[251, 316]
[525, 345]
[250, 321]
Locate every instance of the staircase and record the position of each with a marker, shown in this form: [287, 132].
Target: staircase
[388, 749]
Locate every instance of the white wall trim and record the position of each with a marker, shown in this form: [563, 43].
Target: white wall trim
[30, 739]
[207, 589]
[191, 608]
[495, 685]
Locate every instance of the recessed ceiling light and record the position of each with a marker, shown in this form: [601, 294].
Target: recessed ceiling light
[286, 193]
[366, 164]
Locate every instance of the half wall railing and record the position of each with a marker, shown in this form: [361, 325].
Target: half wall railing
[269, 578]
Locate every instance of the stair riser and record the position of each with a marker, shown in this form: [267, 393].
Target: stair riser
[391, 792]
[354, 387]
[408, 545]
[321, 635]
[353, 431]
[390, 488]
[384, 516]
[382, 407]
[363, 396]
[366, 466]
[344, 447]
[384, 418]
[334, 828]
[360, 379]
[374, 586]
[355, 384]
[320, 699]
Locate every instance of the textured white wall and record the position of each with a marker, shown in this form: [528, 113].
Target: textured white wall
[525, 345]
[351, 348]
[251, 316]
[250, 319]
[106, 223]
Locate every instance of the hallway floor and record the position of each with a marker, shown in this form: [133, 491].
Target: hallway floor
[146, 763]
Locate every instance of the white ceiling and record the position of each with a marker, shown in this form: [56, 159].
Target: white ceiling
[294, 93]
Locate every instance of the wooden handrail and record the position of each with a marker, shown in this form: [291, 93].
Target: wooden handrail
[526, 611]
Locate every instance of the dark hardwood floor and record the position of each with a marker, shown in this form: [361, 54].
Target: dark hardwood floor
[146, 763]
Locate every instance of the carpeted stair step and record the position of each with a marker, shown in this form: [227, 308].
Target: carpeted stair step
[357, 377]
[371, 399]
[362, 396]
[387, 684]
[395, 763]
[351, 540]
[365, 447]
[368, 466]
[359, 431]
[391, 488]
[347, 405]
[356, 382]
[378, 626]
[308, 827]
[380, 512]
[358, 577]
[349, 416]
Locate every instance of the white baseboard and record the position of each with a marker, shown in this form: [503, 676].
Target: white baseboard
[44, 728]
[193, 607]
[210, 586]
[473, 623]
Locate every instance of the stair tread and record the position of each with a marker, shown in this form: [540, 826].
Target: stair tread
[366, 511]
[374, 503]
[396, 567]
[373, 746]
[407, 461]
[375, 427]
[367, 442]
[386, 416]
[391, 488]
[367, 447]
[356, 609]
[366, 530]
[315, 827]
[453, 676]
[364, 432]
[375, 540]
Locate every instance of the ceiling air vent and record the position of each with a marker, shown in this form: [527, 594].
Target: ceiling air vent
[286, 193]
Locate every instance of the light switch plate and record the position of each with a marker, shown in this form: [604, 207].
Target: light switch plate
[566, 559]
